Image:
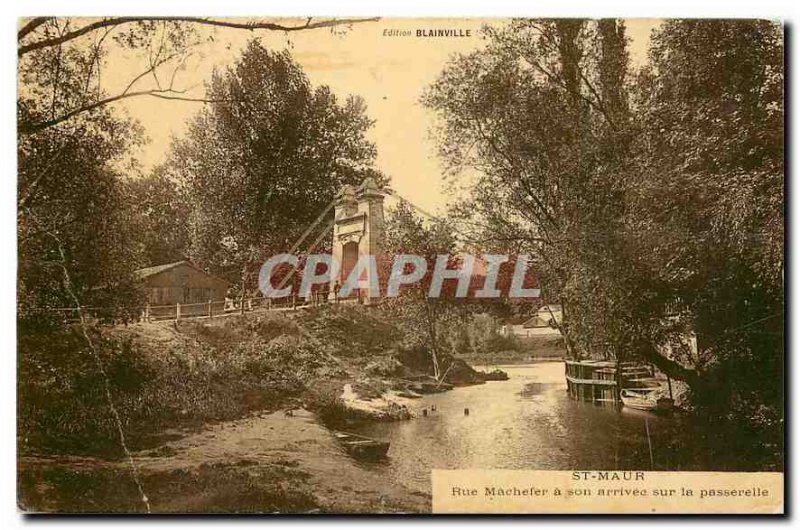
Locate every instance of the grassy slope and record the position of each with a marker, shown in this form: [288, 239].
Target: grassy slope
[165, 376]
[203, 376]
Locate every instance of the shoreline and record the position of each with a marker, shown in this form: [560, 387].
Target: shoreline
[266, 463]
[482, 363]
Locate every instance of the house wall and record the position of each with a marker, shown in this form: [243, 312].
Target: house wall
[184, 284]
[543, 331]
[518, 330]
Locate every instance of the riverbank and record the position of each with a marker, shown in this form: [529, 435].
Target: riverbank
[536, 348]
[261, 464]
[171, 375]
[288, 461]
[480, 362]
[173, 381]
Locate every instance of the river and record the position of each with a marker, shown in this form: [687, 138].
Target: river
[529, 422]
[274, 461]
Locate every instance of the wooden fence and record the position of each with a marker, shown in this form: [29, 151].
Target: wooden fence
[209, 309]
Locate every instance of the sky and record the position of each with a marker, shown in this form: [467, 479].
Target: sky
[389, 72]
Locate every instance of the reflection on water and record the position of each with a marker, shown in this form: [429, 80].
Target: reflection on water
[529, 422]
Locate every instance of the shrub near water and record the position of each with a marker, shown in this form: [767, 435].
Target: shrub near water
[62, 404]
[195, 376]
[165, 376]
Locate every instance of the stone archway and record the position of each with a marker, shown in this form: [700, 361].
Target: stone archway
[358, 228]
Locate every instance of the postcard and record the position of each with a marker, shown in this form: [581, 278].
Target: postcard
[393, 265]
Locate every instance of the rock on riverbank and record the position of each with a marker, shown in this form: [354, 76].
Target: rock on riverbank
[386, 407]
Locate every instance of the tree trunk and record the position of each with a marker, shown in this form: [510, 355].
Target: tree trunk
[563, 328]
[672, 368]
[431, 318]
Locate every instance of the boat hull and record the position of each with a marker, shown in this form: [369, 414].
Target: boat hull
[644, 402]
[362, 447]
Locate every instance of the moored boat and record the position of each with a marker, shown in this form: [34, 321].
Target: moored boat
[645, 400]
[362, 447]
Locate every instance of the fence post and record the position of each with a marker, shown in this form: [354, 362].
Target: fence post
[210, 309]
[294, 301]
[242, 304]
[269, 304]
[147, 312]
[177, 311]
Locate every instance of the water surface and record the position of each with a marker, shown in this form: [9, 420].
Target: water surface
[529, 422]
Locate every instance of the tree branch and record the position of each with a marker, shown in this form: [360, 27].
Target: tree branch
[548, 216]
[32, 25]
[162, 94]
[108, 22]
[671, 368]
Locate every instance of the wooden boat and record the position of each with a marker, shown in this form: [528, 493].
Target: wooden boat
[362, 447]
[643, 384]
[642, 400]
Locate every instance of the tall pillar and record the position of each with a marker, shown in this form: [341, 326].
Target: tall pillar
[357, 229]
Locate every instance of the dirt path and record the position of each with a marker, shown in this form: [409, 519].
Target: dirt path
[265, 463]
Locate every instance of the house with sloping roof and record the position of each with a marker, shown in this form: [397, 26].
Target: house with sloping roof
[181, 282]
[548, 313]
[540, 323]
[513, 326]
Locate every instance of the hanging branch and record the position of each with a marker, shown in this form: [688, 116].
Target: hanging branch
[117, 21]
[28, 32]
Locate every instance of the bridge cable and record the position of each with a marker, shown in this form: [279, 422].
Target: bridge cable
[311, 227]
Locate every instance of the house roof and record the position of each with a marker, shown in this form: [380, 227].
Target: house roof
[147, 272]
[535, 322]
[552, 307]
[155, 269]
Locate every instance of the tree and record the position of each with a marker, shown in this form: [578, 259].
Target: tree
[652, 215]
[541, 113]
[73, 223]
[425, 319]
[73, 220]
[709, 199]
[264, 160]
[160, 215]
[79, 48]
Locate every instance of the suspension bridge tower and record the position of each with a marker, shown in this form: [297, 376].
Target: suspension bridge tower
[357, 230]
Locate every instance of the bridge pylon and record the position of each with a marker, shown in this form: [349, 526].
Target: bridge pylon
[358, 231]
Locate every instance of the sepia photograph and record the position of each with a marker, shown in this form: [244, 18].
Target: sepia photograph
[375, 265]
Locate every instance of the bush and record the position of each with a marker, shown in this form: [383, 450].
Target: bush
[164, 376]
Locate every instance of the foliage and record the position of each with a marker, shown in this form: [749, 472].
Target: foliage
[185, 376]
[73, 217]
[652, 202]
[709, 199]
[425, 320]
[262, 161]
[550, 186]
[161, 215]
[480, 334]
